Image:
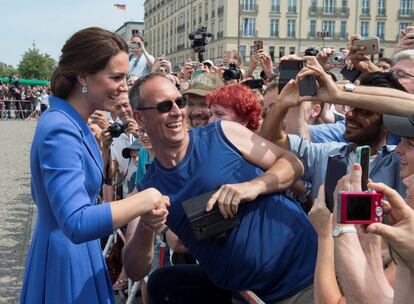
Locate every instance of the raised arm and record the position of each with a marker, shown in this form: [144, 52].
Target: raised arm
[273, 125]
[357, 276]
[380, 100]
[281, 167]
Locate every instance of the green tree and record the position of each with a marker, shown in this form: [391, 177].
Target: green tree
[6, 71]
[35, 65]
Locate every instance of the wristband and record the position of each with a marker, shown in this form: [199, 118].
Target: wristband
[163, 233]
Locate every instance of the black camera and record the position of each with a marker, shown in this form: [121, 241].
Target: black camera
[311, 52]
[233, 72]
[116, 129]
[199, 38]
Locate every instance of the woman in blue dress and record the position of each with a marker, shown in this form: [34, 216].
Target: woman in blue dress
[65, 262]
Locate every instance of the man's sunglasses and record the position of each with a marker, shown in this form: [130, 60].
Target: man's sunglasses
[166, 106]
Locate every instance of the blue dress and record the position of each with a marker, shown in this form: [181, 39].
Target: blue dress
[65, 262]
[272, 252]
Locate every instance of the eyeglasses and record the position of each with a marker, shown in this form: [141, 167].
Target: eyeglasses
[166, 106]
[401, 74]
[140, 132]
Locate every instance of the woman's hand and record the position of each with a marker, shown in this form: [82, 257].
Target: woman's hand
[157, 212]
[320, 216]
[400, 231]
[229, 196]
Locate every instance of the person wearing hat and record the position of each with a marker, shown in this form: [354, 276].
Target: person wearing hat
[403, 127]
[198, 111]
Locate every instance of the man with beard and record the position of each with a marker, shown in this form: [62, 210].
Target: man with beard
[363, 127]
[198, 111]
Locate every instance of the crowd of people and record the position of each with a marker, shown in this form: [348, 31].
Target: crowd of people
[127, 142]
[22, 102]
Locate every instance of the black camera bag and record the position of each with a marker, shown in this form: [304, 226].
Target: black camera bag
[207, 224]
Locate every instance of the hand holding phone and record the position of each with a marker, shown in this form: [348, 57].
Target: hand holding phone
[367, 46]
[362, 157]
[288, 70]
[258, 45]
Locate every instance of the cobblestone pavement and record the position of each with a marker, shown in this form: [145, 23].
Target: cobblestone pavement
[16, 207]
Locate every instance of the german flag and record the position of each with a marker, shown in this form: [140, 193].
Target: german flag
[121, 7]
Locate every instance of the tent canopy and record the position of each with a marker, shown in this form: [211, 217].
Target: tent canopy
[28, 81]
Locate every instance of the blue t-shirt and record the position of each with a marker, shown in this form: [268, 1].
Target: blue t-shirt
[272, 252]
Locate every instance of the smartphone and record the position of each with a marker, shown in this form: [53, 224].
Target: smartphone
[362, 157]
[194, 65]
[308, 86]
[258, 45]
[351, 75]
[288, 70]
[254, 83]
[336, 169]
[371, 45]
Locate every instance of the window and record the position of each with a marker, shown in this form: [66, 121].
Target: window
[275, 6]
[213, 8]
[343, 30]
[134, 32]
[249, 5]
[313, 6]
[291, 28]
[406, 7]
[329, 26]
[312, 28]
[381, 8]
[292, 6]
[243, 52]
[274, 27]
[281, 51]
[364, 28]
[249, 27]
[365, 7]
[292, 50]
[380, 30]
[272, 52]
[200, 14]
[206, 11]
[329, 6]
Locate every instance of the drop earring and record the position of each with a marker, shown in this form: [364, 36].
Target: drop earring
[84, 89]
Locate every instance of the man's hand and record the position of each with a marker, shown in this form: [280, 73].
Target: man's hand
[229, 196]
[157, 217]
[99, 118]
[407, 40]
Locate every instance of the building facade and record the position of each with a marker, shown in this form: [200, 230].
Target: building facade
[284, 26]
[130, 28]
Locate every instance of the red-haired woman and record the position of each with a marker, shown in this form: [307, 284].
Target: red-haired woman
[235, 103]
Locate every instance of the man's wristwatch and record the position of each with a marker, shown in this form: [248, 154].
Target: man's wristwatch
[349, 87]
[338, 230]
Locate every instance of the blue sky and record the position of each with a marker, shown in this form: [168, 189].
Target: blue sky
[49, 23]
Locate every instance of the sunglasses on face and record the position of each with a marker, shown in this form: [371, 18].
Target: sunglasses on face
[167, 105]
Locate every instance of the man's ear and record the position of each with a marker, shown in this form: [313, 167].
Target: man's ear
[138, 118]
[316, 110]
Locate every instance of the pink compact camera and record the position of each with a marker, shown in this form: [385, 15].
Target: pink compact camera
[360, 207]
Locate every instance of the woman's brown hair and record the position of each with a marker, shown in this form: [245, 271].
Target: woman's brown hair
[87, 51]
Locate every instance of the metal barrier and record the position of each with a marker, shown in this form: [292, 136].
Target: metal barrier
[16, 109]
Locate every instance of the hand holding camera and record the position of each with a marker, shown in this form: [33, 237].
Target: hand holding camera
[399, 232]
